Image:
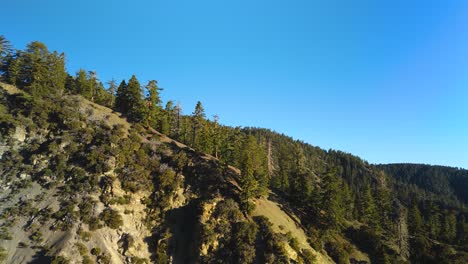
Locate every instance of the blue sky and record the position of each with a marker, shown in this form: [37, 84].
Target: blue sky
[385, 80]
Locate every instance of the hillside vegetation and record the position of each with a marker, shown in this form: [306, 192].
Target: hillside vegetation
[95, 174]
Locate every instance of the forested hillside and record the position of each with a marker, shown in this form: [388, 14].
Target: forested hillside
[123, 177]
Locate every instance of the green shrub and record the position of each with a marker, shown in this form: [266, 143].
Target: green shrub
[337, 252]
[309, 257]
[5, 234]
[96, 251]
[3, 254]
[37, 237]
[94, 224]
[111, 218]
[22, 245]
[87, 260]
[121, 200]
[84, 235]
[294, 243]
[104, 259]
[137, 260]
[60, 260]
[82, 249]
[86, 209]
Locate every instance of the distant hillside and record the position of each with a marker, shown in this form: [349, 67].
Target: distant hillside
[448, 182]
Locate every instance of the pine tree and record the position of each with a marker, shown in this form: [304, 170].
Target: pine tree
[330, 200]
[154, 117]
[247, 179]
[347, 201]
[96, 88]
[198, 119]
[121, 98]
[216, 137]
[111, 89]
[368, 210]
[5, 46]
[102, 96]
[153, 91]
[298, 185]
[57, 73]
[82, 84]
[433, 220]
[415, 220]
[462, 231]
[70, 84]
[164, 122]
[382, 200]
[11, 69]
[41, 72]
[449, 228]
[171, 116]
[136, 106]
[178, 113]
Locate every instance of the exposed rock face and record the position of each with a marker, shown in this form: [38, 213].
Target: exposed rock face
[206, 217]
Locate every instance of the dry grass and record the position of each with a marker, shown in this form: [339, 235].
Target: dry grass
[97, 112]
[10, 88]
[278, 217]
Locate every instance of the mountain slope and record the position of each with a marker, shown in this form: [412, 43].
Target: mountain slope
[54, 217]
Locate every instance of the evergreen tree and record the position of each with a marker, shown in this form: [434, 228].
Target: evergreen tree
[368, 209]
[171, 117]
[433, 222]
[198, 119]
[112, 87]
[5, 46]
[136, 106]
[462, 231]
[178, 113]
[82, 84]
[154, 117]
[70, 84]
[205, 140]
[121, 98]
[216, 137]
[347, 201]
[449, 228]
[330, 200]
[299, 186]
[57, 73]
[164, 123]
[153, 94]
[102, 95]
[41, 72]
[382, 201]
[11, 69]
[415, 220]
[96, 88]
[247, 180]
[111, 91]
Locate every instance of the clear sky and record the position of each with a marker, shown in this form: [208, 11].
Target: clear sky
[385, 80]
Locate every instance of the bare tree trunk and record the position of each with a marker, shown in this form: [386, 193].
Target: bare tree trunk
[270, 159]
[178, 120]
